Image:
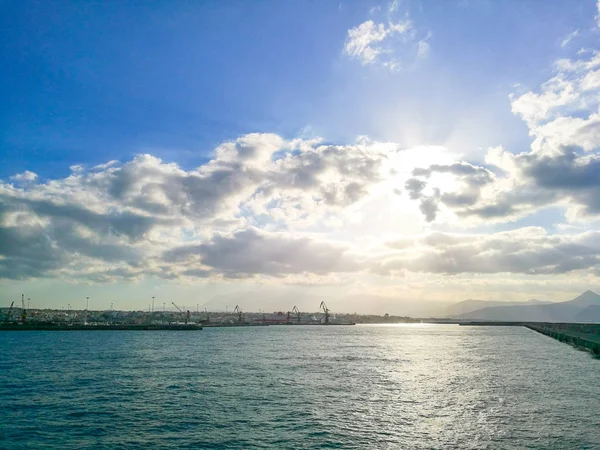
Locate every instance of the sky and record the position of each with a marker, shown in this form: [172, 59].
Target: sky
[381, 156]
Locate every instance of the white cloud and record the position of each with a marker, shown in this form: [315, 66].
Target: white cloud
[570, 91]
[250, 252]
[117, 219]
[569, 131]
[76, 168]
[25, 176]
[272, 209]
[299, 211]
[423, 47]
[568, 38]
[364, 42]
[391, 43]
[560, 169]
[529, 250]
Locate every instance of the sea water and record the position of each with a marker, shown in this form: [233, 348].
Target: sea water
[361, 387]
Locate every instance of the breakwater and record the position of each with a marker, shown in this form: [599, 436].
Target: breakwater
[582, 335]
[585, 336]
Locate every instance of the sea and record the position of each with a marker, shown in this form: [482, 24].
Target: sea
[298, 387]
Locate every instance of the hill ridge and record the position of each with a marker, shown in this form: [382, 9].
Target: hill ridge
[567, 311]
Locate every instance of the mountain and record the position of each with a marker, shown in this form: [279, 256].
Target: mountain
[468, 306]
[570, 311]
[588, 298]
[590, 314]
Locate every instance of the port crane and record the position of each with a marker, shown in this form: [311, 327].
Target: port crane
[237, 310]
[185, 314]
[8, 314]
[295, 311]
[326, 311]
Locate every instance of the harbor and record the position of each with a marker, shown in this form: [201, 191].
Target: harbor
[44, 326]
[182, 319]
[581, 335]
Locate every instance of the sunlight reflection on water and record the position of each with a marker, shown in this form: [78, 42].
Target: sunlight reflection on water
[371, 386]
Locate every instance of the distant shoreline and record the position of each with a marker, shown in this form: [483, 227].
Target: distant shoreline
[108, 327]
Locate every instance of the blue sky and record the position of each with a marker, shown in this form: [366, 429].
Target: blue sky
[89, 81]
[85, 83]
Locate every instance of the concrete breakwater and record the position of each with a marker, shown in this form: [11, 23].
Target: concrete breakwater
[585, 336]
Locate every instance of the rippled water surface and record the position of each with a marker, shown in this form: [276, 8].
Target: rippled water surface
[426, 386]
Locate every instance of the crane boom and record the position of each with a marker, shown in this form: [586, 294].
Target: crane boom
[185, 314]
[326, 311]
[237, 310]
[8, 314]
[296, 311]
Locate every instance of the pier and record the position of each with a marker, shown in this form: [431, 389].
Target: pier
[585, 336]
[582, 335]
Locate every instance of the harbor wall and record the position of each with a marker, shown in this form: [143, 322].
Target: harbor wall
[585, 336]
